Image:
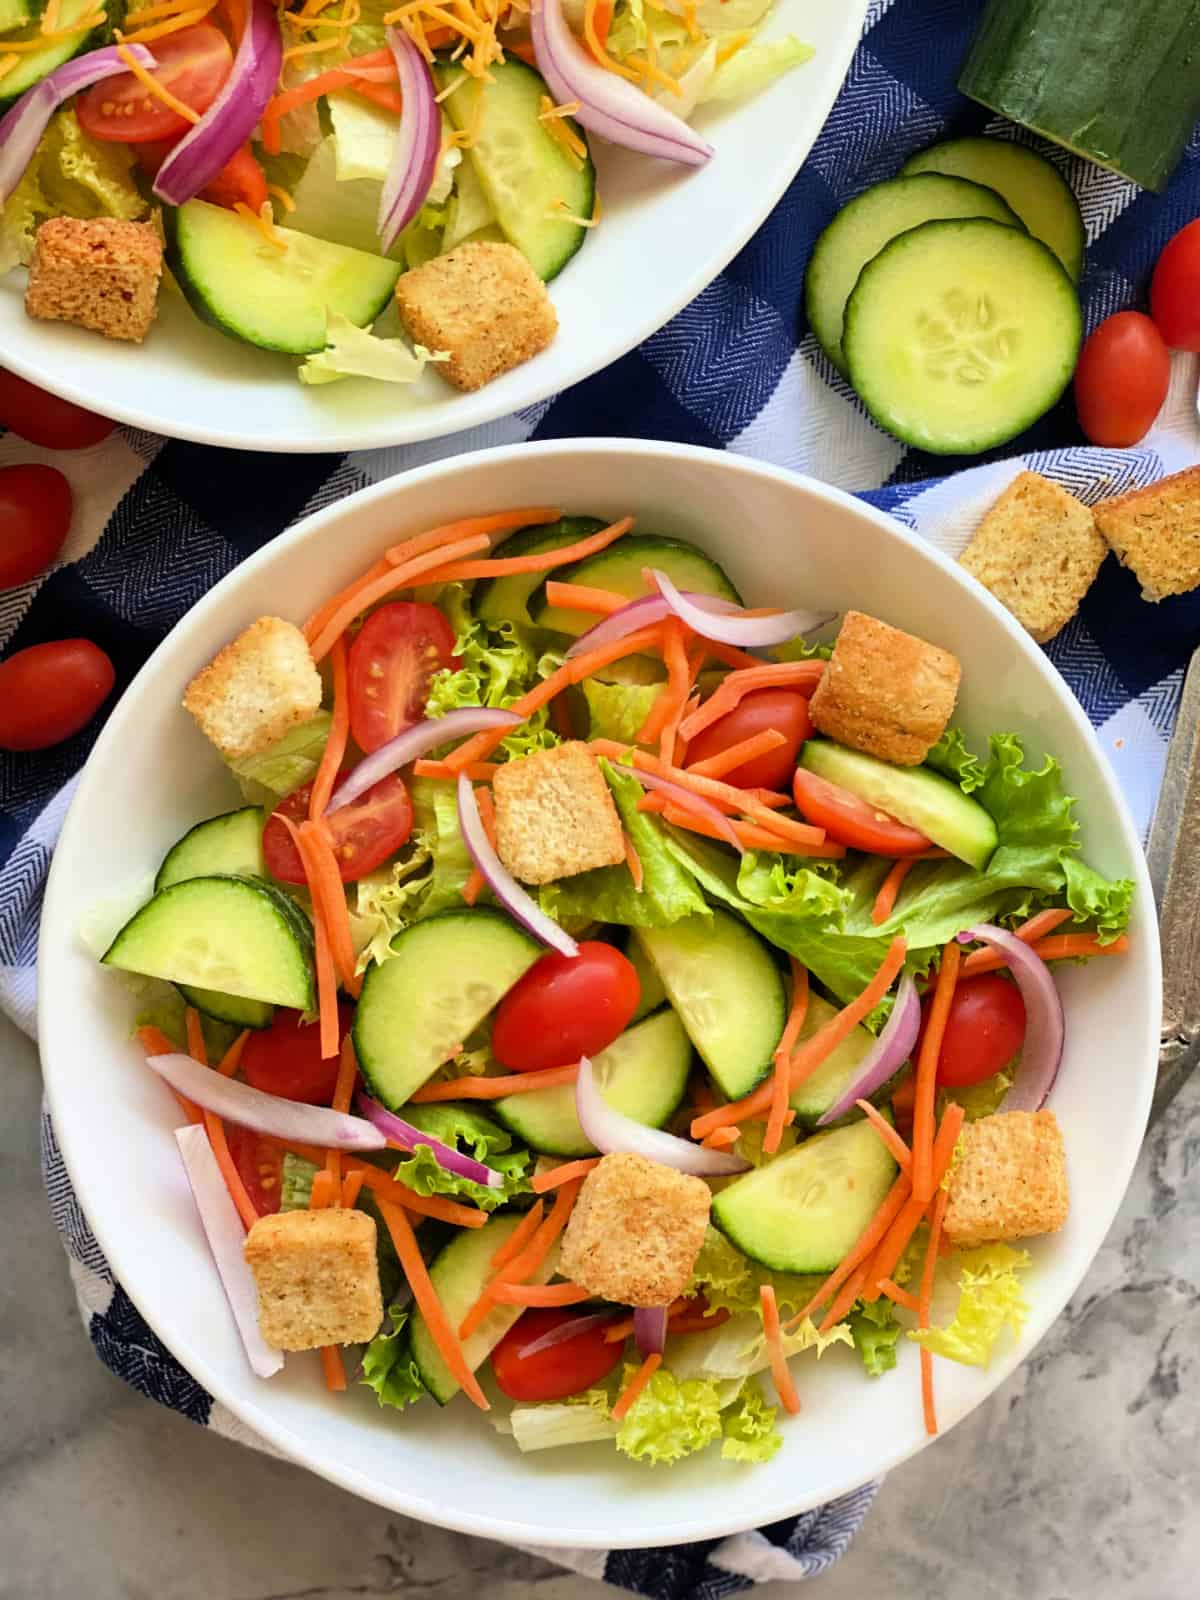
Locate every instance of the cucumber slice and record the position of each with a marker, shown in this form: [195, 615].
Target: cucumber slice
[505, 599]
[231, 843]
[276, 299]
[14, 14]
[458, 1274]
[832, 1078]
[960, 334]
[446, 974]
[235, 935]
[804, 1211]
[644, 1074]
[722, 980]
[229, 1008]
[861, 229]
[1033, 187]
[620, 568]
[533, 185]
[653, 994]
[916, 795]
[34, 66]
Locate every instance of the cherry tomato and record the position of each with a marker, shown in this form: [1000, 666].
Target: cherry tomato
[851, 821]
[260, 1165]
[35, 517]
[192, 64]
[565, 1007]
[241, 179]
[781, 709]
[564, 1369]
[364, 833]
[1175, 290]
[49, 691]
[285, 1059]
[395, 654]
[1121, 380]
[984, 1031]
[45, 419]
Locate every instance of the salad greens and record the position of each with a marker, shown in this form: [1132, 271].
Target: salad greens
[991, 1299]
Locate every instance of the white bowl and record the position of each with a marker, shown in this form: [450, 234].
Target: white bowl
[665, 234]
[151, 775]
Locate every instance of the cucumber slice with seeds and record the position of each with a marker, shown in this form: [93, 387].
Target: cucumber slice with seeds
[229, 843]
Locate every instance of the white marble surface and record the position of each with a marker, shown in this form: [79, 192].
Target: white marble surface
[1078, 1480]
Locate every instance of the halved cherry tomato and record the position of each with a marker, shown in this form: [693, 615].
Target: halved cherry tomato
[50, 691]
[565, 1007]
[984, 1030]
[192, 64]
[35, 517]
[259, 1163]
[395, 654]
[850, 821]
[1175, 290]
[285, 1059]
[45, 419]
[1121, 380]
[564, 1369]
[781, 709]
[240, 179]
[364, 833]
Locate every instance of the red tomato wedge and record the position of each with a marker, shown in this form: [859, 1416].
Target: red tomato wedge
[853, 822]
[564, 1369]
[1175, 290]
[35, 518]
[260, 1165]
[241, 179]
[565, 1007]
[364, 833]
[191, 64]
[394, 655]
[984, 1031]
[783, 710]
[285, 1059]
[50, 691]
[1121, 380]
[45, 419]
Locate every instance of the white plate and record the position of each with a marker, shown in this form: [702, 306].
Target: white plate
[666, 233]
[152, 775]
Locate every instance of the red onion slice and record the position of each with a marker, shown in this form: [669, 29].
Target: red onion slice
[22, 127]
[413, 743]
[612, 1132]
[226, 1239]
[418, 140]
[693, 802]
[752, 633]
[639, 614]
[1045, 1025]
[565, 1331]
[233, 115]
[650, 1329]
[889, 1053]
[608, 105]
[403, 1133]
[266, 1113]
[519, 905]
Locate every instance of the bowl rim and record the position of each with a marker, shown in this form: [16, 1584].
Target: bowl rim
[120, 1247]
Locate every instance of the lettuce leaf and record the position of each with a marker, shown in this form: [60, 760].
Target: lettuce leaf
[388, 1366]
[617, 710]
[354, 352]
[287, 765]
[978, 1099]
[467, 1130]
[669, 1419]
[388, 899]
[1104, 902]
[748, 1431]
[990, 1300]
[583, 1419]
[730, 1281]
[737, 1349]
[755, 66]
[70, 175]
[875, 1331]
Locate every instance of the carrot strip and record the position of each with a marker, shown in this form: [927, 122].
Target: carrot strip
[923, 1308]
[155, 1042]
[323, 1190]
[325, 882]
[846, 1296]
[494, 1088]
[864, 1245]
[730, 656]
[567, 1173]
[758, 744]
[477, 771]
[897, 1295]
[635, 1386]
[215, 1128]
[511, 566]
[780, 1372]
[676, 688]
[1042, 922]
[885, 900]
[467, 527]
[426, 1296]
[633, 861]
[783, 1055]
[888, 1134]
[343, 1091]
[522, 1266]
[197, 1049]
[487, 815]
[333, 1368]
[313, 89]
[426, 1205]
[926, 1077]
[722, 1138]
[672, 746]
[335, 745]
[541, 1294]
[519, 1237]
[750, 835]
[582, 597]
[232, 1059]
[763, 675]
[894, 1243]
[351, 1188]
[1061, 947]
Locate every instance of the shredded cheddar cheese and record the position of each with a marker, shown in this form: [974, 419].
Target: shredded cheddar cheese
[160, 30]
[731, 47]
[558, 212]
[7, 63]
[264, 222]
[597, 49]
[50, 17]
[152, 84]
[689, 20]
[553, 119]
[282, 195]
[21, 47]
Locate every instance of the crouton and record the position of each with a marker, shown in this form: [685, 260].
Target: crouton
[555, 816]
[1155, 532]
[1038, 551]
[317, 1278]
[483, 305]
[258, 687]
[1010, 1180]
[101, 274]
[885, 692]
[636, 1231]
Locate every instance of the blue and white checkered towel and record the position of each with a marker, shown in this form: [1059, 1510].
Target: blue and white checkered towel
[158, 523]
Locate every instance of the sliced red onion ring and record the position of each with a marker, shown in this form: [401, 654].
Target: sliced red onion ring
[266, 1113]
[570, 1329]
[609, 105]
[612, 1132]
[888, 1054]
[403, 1133]
[1045, 1026]
[226, 1239]
[650, 1329]
[752, 633]
[639, 614]
[22, 127]
[519, 905]
[418, 140]
[233, 115]
[693, 802]
[413, 743]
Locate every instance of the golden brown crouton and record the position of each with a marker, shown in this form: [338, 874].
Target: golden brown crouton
[260, 685]
[555, 816]
[483, 305]
[1010, 1180]
[101, 274]
[1038, 551]
[885, 692]
[317, 1278]
[636, 1231]
[1156, 533]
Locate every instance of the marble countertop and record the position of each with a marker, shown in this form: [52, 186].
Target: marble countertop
[1078, 1479]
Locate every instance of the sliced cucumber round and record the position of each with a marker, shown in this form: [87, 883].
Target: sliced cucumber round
[653, 994]
[861, 229]
[619, 568]
[34, 65]
[229, 1008]
[1033, 187]
[224, 844]
[834, 1076]
[506, 599]
[960, 334]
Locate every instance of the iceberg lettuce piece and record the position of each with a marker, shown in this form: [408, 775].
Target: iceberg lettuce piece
[755, 66]
[70, 175]
[353, 352]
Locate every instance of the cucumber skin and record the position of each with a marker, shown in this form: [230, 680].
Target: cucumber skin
[165, 876]
[490, 599]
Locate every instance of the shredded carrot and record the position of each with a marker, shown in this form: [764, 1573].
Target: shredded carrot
[864, 1246]
[546, 560]
[885, 900]
[519, 1237]
[493, 524]
[1061, 947]
[845, 1298]
[750, 835]
[888, 1134]
[597, 16]
[282, 195]
[325, 883]
[215, 1129]
[334, 752]
[155, 1042]
[197, 1049]
[323, 958]
[477, 771]
[426, 1205]
[773, 1333]
[567, 1173]
[737, 755]
[722, 1138]
[730, 656]
[582, 597]
[923, 1307]
[926, 1078]
[541, 1294]
[323, 1191]
[676, 690]
[763, 675]
[897, 1295]
[523, 1265]
[1041, 923]
[232, 1059]
[894, 1243]
[343, 1092]
[351, 1187]
[160, 30]
[633, 861]
[783, 1057]
[487, 816]
[333, 1368]
[494, 1088]
[632, 1390]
